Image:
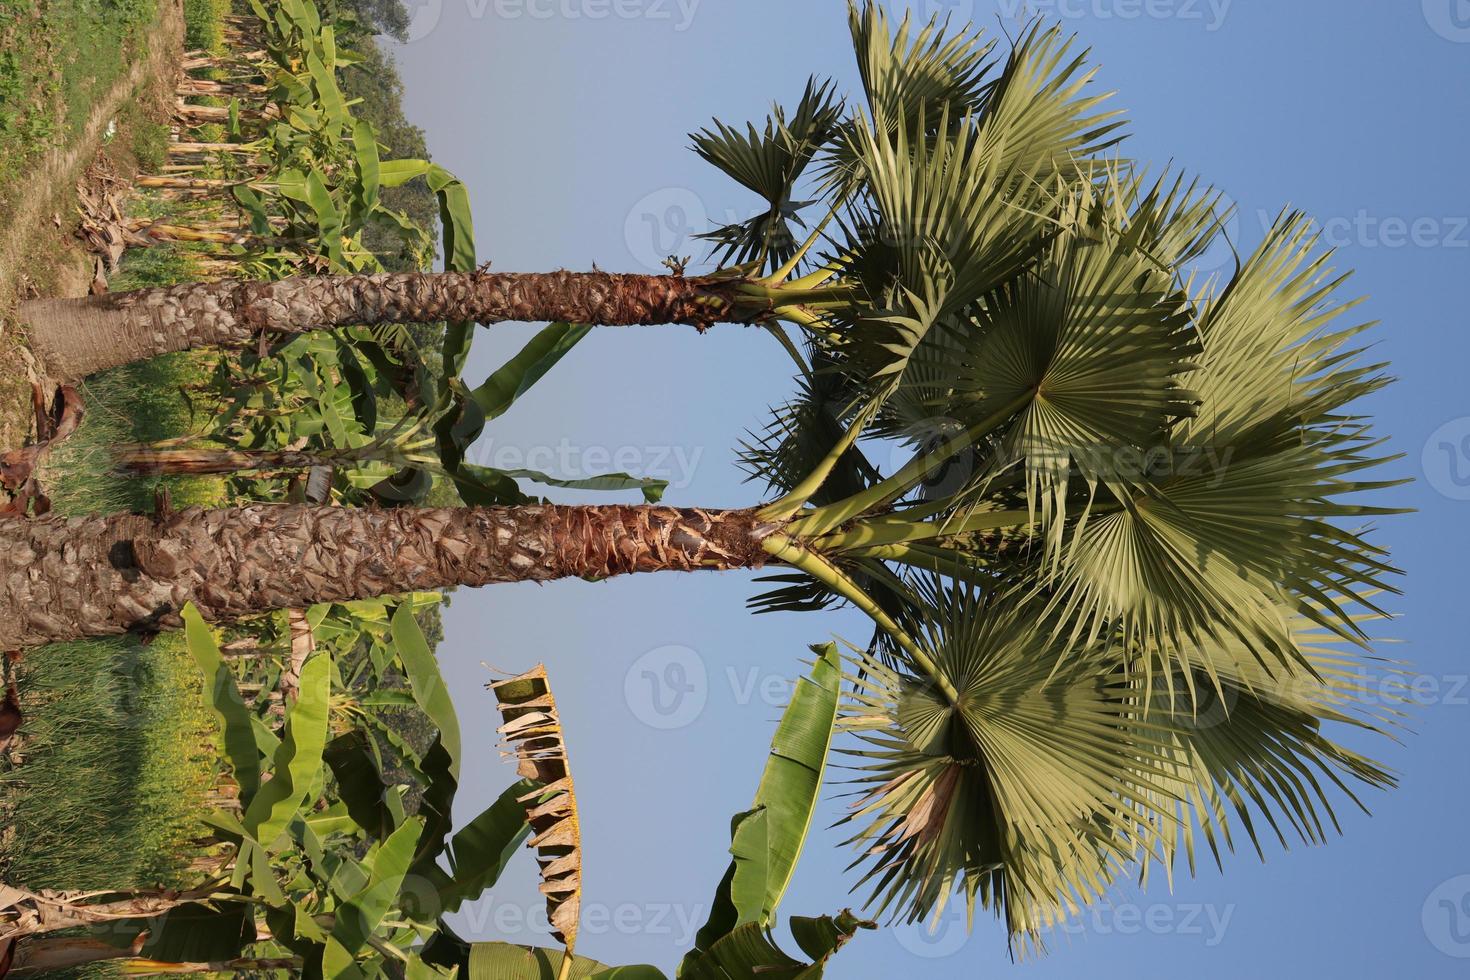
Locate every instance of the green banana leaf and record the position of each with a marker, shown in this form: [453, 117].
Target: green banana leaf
[749, 953]
[503, 961]
[766, 841]
[479, 852]
[224, 699]
[426, 682]
[298, 761]
[360, 918]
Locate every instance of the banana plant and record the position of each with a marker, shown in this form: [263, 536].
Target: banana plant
[736, 943]
[323, 852]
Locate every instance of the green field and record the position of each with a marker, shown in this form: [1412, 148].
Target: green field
[117, 752]
[119, 758]
[56, 58]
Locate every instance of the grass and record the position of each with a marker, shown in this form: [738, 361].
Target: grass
[150, 145]
[57, 57]
[119, 751]
[204, 22]
[118, 755]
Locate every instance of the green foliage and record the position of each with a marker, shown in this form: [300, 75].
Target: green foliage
[479, 852]
[425, 680]
[502, 961]
[1129, 491]
[204, 24]
[118, 756]
[748, 952]
[766, 841]
[54, 67]
[298, 758]
[1092, 658]
[374, 84]
[223, 696]
[150, 145]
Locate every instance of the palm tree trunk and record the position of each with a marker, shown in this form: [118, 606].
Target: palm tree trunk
[69, 578]
[77, 337]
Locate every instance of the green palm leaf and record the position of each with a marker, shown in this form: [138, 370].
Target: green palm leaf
[1249, 514]
[1018, 792]
[1257, 747]
[769, 161]
[909, 73]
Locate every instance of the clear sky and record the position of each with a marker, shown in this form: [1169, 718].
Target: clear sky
[568, 121]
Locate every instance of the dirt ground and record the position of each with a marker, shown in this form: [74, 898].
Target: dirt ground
[39, 254]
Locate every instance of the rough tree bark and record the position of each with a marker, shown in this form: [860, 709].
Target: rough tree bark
[78, 337]
[69, 578]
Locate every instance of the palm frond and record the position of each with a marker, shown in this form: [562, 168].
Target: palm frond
[1039, 117]
[1257, 505]
[911, 73]
[1020, 794]
[769, 161]
[1092, 342]
[1258, 747]
[802, 431]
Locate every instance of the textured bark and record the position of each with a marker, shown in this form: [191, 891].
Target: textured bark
[77, 337]
[68, 578]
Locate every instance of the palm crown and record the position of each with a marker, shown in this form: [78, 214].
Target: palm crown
[1120, 582]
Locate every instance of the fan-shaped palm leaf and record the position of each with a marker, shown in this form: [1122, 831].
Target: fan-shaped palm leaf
[1257, 746]
[770, 162]
[912, 73]
[1245, 517]
[1018, 788]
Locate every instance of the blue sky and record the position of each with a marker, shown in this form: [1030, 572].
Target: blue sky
[568, 121]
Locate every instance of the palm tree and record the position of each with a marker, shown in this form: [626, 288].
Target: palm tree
[76, 337]
[1119, 584]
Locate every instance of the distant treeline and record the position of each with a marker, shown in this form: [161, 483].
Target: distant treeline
[376, 82]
